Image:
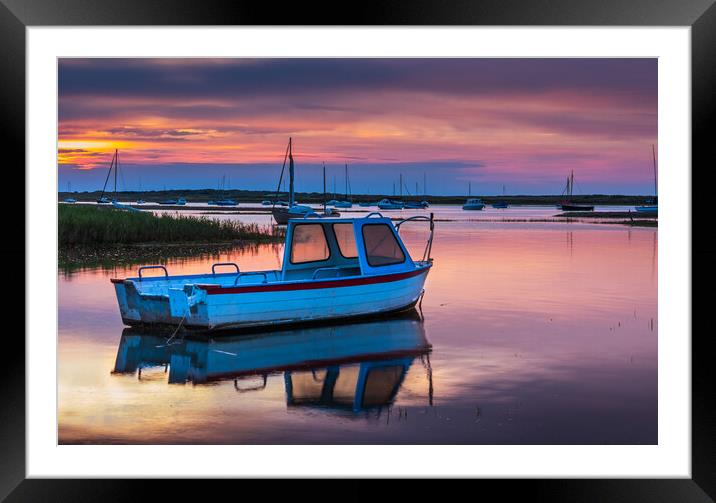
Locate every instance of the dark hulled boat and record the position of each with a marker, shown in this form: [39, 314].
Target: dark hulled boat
[568, 205]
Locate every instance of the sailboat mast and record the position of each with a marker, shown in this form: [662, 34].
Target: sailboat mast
[571, 184]
[425, 187]
[290, 174]
[653, 154]
[469, 189]
[324, 187]
[346, 181]
[116, 168]
[401, 186]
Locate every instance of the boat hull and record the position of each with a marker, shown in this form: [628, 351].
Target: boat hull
[212, 307]
[647, 209]
[473, 207]
[576, 207]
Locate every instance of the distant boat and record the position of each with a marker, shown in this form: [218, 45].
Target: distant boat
[70, 200]
[141, 201]
[474, 203]
[293, 210]
[345, 203]
[173, 202]
[390, 204]
[501, 204]
[113, 166]
[266, 203]
[327, 212]
[651, 208]
[332, 202]
[226, 202]
[416, 205]
[568, 205]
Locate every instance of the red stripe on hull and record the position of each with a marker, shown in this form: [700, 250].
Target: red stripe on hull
[369, 280]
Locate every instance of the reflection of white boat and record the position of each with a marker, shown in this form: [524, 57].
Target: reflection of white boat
[299, 353]
[332, 268]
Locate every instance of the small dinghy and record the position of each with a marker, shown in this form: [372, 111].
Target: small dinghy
[332, 269]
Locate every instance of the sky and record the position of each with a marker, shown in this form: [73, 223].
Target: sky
[518, 125]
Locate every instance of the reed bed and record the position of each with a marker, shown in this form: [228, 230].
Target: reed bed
[101, 226]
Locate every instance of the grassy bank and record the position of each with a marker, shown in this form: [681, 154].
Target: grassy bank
[101, 226]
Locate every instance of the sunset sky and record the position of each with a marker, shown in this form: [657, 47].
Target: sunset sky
[522, 123]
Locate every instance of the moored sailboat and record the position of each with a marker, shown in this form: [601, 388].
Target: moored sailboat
[292, 210]
[568, 205]
[651, 208]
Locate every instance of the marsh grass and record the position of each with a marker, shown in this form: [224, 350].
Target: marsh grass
[101, 226]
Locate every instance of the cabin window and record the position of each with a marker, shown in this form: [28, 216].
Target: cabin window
[346, 240]
[381, 247]
[309, 244]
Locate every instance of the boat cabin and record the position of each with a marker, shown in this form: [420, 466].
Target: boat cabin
[320, 248]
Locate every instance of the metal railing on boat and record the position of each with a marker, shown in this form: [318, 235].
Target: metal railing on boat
[166, 274]
[248, 273]
[213, 266]
[429, 244]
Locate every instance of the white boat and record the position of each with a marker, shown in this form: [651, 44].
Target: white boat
[390, 204]
[332, 269]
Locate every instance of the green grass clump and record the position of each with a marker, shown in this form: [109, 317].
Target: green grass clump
[98, 226]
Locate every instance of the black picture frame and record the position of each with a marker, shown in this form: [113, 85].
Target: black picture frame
[700, 15]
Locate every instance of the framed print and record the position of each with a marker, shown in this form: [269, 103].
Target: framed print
[425, 245]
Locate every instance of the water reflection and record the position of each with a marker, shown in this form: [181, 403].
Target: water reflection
[358, 366]
[540, 333]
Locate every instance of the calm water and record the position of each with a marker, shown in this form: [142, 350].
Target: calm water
[532, 333]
